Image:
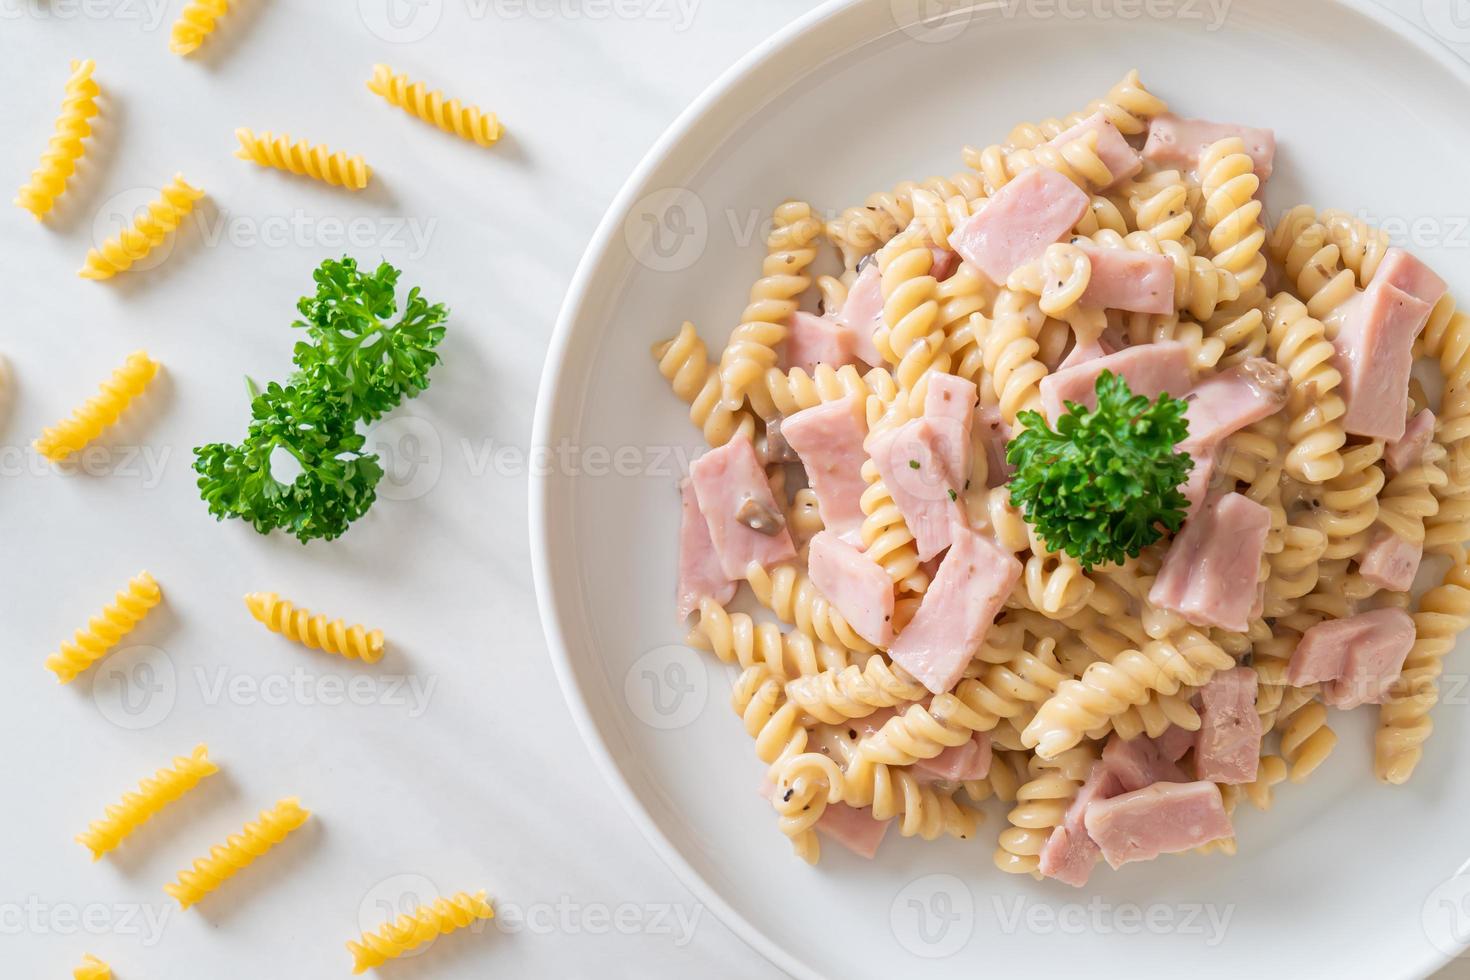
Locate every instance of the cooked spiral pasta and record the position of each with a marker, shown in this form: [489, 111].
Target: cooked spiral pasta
[1011, 354]
[919, 732]
[794, 390]
[1041, 802]
[684, 362]
[788, 592]
[1411, 495]
[152, 795]
[1350, 501]
[1159, 203]
[99, 412]
[414, 98]
[1403, 720]
[1106, 689]
[1129, 105]
[1077, 160]
[106, 629]
[834, 696]
[860, 231]
[92, 969]
[790, 249]
[412, 929]
[318, 162]
[738, 639]
[1306, 740]
[66, 147]
[1299, 344]
[886, 537]
[164, 215]
[195, 23]
[1312, 262]
[1232, 211]
[313, 630]
[803, 786]
[239, 851]
[1361, 246]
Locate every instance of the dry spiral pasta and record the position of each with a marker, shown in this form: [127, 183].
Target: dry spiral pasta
[66, 147]
[239, 851]
[92, 968]
[415, 98]
[106, 629]
[148, 231]
[314, 630]
[412, 929]
[195, 23]
[153, 794]
[99, 412]
[315, 161]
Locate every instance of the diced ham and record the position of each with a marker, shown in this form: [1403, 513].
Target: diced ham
[1389, 561]
[1089, 350]
[1373, 347]
[974, 581]
[995, 435]
[914, 460]
[813, 340]
[1197, 487]
[1069, 853]
[1228, 746]
[970, 760]
[1209, 574]
[946, 261]
[950, 403]
[856, 585]
[1224, 404]
[1138, 762]
[700, 574]
[862, 313]
[1122, 279]
[1403, 270]
[1149, 369]
[1164, 818]
[853, 828]
[726, 480]
[1121, 159]
[829, 439]
[1039, 208]
[1356, 658]
[1174, 743]
[1407, 451]
[1177, 144]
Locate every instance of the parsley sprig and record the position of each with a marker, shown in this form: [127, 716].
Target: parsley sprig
[1104, 484]
[354, 366]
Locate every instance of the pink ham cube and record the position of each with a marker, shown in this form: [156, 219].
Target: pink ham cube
[1228, 746]
[1039, 208]
[862, 313]
[1123, 279]
[1408, 451]
[914, 461]
[829, 439]
[700, 574]
[1356, 659]
[1121, 159]
[734, 493]
[1390, 562]
[813, 340]
[1164, 818]
[1210, 572]
[957, 763]
[1374, 355]
[853, 828]
[856, 585]
[1149, 369]
[1177, 144]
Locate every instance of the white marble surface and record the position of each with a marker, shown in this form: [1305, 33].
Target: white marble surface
[474, 777]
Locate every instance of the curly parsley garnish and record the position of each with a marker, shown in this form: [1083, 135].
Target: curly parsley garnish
[1105, 483]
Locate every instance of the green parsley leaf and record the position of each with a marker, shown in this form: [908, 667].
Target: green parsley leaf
[356, 367]
[1104, 484]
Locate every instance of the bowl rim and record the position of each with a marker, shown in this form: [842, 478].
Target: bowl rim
[728, 85]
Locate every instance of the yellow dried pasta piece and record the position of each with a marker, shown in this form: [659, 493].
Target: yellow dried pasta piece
[412, 929]
[238, 852]
[153, 794]
[314, 630]
[164, 215]
[59, 161]
[339, 169]
[195, 23]
[103, 631]
[92, 969]
[464, 121]
[100, 411]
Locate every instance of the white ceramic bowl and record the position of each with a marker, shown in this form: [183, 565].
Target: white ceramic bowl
[1345, 877]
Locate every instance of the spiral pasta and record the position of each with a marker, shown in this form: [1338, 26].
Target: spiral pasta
[1011, 354]
[153, 794]
[1232, 211]
[912, 336]
[313, 630]
[99, 412]
[195, 23]
[1350, 501]
[684, 362]
[318, 162]
[1306, 740]
[1041, 803]
[861, 230]
[414, 98]
[238, 852]
[148, 231]
[412, 929]
[67, 146]
[1298, 343]
[1128, 105]
[834, 696]
[788, 592]
[92, 969]
[738, 639]
[106, 629]
[886, 537]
